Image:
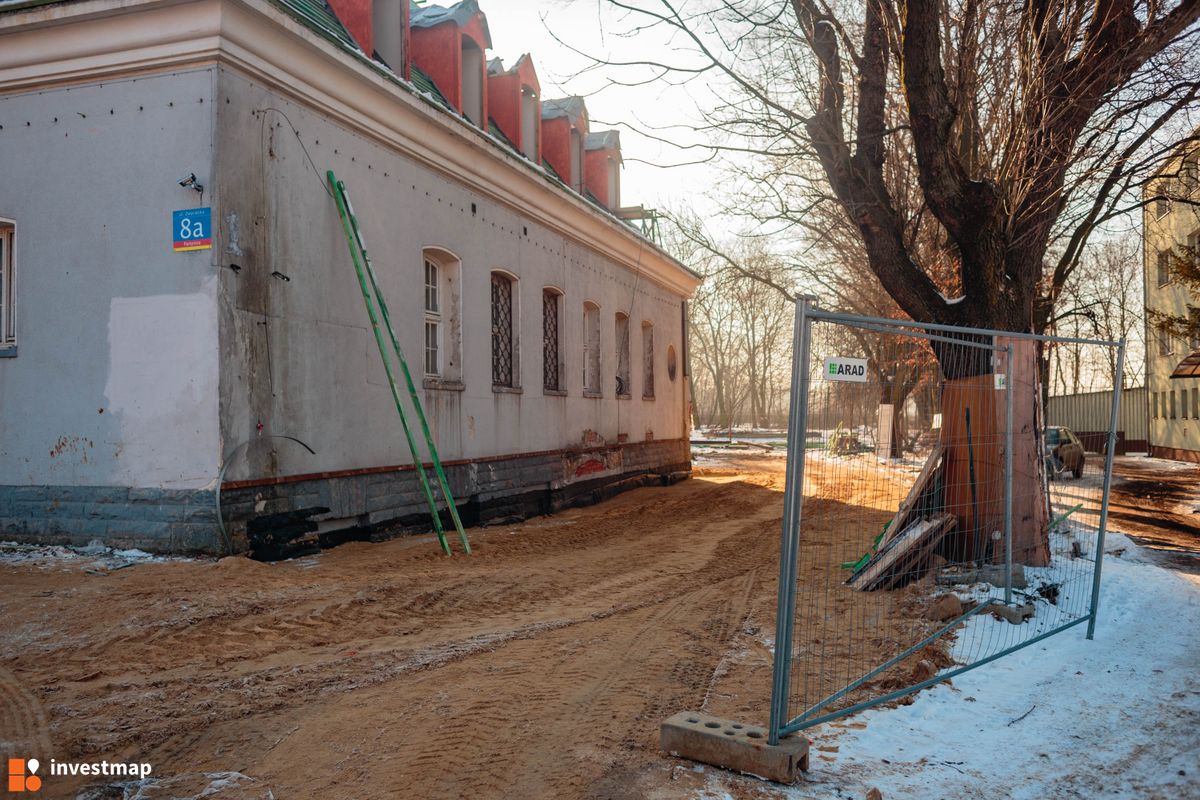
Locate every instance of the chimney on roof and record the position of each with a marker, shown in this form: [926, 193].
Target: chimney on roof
[514, 96]
[564, 128]
[448, 45]
[602, 167]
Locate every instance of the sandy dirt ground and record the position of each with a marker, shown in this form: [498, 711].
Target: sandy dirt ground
[541, 666]
[1157, 504]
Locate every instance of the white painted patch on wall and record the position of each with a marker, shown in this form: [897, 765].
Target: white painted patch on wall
[233, 226]
[162, 389]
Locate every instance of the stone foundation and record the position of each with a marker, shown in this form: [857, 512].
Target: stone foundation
[371, 503]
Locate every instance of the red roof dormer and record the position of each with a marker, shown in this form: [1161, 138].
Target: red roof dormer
[514, 104]
[357, 16]
[602, 167]
[564, 129]
[448, 44]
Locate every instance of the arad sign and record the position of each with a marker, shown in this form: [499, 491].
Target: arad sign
[845, 369]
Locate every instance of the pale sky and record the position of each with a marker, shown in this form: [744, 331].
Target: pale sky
[520, 26]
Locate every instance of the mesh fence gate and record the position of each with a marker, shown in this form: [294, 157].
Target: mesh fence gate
[941, 508]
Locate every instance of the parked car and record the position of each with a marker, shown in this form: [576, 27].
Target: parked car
[1064, 452]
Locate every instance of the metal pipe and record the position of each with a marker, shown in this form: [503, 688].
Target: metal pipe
[225, 462]
[1108, 464]
[789, 544]
[853, 319]
[1008, 477]
[933, 337]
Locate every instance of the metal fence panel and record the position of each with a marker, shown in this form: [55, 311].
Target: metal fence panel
[936, 516]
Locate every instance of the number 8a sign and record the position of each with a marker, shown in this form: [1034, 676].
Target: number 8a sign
[191, 229]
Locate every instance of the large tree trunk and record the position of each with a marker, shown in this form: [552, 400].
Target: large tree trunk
[974, 453]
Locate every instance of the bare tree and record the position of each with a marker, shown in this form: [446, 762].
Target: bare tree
[1026, 127]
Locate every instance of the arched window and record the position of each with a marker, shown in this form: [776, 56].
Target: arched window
[551, 361]
[591, 348]
[504, 347]
[648, 360]
[443, 321]
[624, 388]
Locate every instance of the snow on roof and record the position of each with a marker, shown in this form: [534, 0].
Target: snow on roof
[573, 108]
[459, 13]
[603, 140]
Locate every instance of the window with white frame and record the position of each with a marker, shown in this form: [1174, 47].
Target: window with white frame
[624, 387]
[504, 353]
[591, 348]
[443, 328]
[8, 330]
[647, 360]
[433, 318]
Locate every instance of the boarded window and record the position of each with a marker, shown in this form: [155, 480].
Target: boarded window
[591, 347]
[530, 115]
[622, 329]
[576, 155]
[550, 361]
[8, 328]
[472, 83]
[647, 360]
[502, 330]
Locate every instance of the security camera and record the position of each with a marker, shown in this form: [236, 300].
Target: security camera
[190, 180]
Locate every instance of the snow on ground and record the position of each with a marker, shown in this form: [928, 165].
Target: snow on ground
[94, 555]
[1064, 718]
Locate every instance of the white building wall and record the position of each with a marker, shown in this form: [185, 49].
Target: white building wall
[115, 378]
[298, 355]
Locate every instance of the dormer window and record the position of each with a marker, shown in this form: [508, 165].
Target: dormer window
[576, 160]
[614, 182]
[530, 112]
[472, 82]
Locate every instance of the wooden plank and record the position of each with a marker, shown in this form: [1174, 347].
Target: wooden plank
[909, 548]
[926, 474]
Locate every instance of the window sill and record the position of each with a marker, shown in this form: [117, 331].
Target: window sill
[624, 397]
[647, 397]
[8, 351]
[507, 389]
[443, 385]
[554, 392]
[593, 395]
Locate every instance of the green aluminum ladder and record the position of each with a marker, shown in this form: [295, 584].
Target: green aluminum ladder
[362, 264]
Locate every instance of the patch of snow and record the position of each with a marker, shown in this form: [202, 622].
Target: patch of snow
[1064, 718]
